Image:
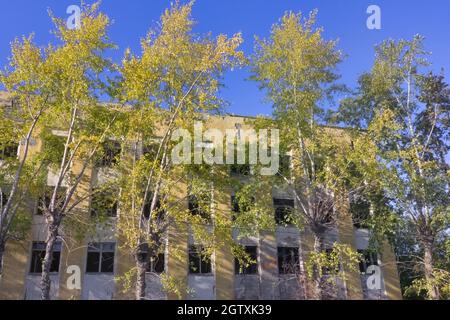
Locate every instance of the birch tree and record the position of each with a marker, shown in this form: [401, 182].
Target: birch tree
[170, 86]
[406, 112]
[297, 69]
[28, 96]
[74, 68]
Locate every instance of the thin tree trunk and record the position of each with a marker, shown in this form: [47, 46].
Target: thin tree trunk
[2, 252]
[317, 279]
[141, 285]
[142, 261]
[52, 234]
[429, 267]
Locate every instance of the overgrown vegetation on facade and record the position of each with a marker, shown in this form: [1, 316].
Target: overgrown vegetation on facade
[389, 162]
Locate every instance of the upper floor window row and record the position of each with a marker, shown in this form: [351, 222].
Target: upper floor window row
[9, 151]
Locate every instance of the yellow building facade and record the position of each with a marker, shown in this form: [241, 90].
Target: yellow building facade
[101, 265]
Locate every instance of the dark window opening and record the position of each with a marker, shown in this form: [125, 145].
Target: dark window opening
[111, 154]
[45, 199]
[158, 211]
[360, 210]
[326, 270]
[198, 262]
[288, 260]
[198, 206]
[4, 199]
[157, 264]
[252, 268]
[103, 204]
[150, 151]
[100, 258]
[369, 258]
[38, 255]
[9, 151]
[285, 166]
[284, 208]
[244, 206]
[240, 170]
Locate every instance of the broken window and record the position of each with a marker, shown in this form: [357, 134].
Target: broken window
[284, 208]
[4, 199]
[100, 258]
[9, 151]
[252, 267]
[38, 255]
[158, 211]
[241, 205]
[45, 199]
[360, 210]
[104, 204]
[111, 154]
[199, 263]
[288, 260]
[199, 205]
[240, 170]
[326, 270]
[157, 264]
[285, 166]
[369, 258]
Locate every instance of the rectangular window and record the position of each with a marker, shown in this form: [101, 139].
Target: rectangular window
[285, 166]
[103, 204]
[251, 268]
[157, 264]
[199, 206]
[326, 269]
[100, 258]
[150, 151]
[360, 210]
[4, 199]
[241, 206]
[235, 205]
[369, 259]
[198, 262]
[288, 260]
[38, 255]
[284, 209]
[158, 210]
[111, 154]
[44, 200]
[240, 170]
[1, 265]
[9, 151]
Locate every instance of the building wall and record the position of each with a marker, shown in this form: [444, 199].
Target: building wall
[16, 283]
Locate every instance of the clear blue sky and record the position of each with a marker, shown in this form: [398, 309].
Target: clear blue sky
[343, 19]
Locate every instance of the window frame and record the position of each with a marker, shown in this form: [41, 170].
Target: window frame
[99, 247]
[196, 210]
[46, 198]
[282, 253]
[112, 151]
[195, 252]
[37, 266]
[9, 151]
[360, 210]
[368, 256]
[111, 212]
[286, 206]
[253, 269]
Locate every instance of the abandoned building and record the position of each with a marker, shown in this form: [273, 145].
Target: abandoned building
[101, 259]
